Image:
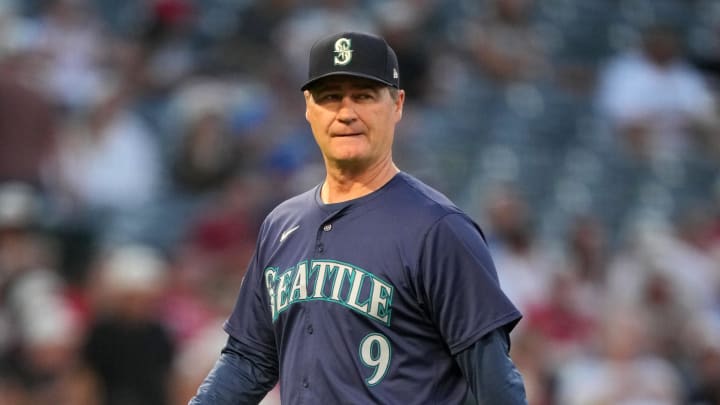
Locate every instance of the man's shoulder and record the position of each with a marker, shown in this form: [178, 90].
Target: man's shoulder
[422, 207]
[413, 197]
[422, 195]
[290, 210]
[299, 202]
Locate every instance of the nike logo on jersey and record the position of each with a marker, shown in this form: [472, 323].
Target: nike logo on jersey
[287, 233]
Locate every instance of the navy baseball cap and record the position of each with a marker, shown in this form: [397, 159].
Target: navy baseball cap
[353, 54]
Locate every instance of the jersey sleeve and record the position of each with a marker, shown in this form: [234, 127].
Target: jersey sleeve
[490, 372]
[459, 284]
[251, 320]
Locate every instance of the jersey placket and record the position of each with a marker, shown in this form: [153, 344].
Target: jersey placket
[322, 233]
[312, 346]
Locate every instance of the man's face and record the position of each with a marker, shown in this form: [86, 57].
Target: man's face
[353, 120]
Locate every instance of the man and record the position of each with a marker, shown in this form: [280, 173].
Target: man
[372, 287]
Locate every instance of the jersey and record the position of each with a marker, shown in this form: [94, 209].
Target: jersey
[368, 301]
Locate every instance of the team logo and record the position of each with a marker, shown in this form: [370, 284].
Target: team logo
[343, 53]
[330, 281]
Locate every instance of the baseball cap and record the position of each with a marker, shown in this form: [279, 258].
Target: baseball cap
[353, 54]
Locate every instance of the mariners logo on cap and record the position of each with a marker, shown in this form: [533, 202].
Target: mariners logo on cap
[343, 53]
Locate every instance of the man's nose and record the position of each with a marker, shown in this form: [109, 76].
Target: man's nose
[346, 113]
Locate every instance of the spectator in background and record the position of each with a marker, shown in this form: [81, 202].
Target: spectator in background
[669, 272]
[404, 24]
[24, 246]
[667, 277]
[206, 122]
[47, 359]
[206, 156]
[108, 164]
[666, 314]
[684, 255]
[524, 269]
[658, 104]
[622, 370]
[562, 320]
[163, 56]
[587, 257]
[40, 328]
[587, 248]
[258, 22]
[504, 44]
[74, 50]
[127, 346]
[27, 117]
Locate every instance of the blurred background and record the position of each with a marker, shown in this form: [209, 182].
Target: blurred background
[143, 141]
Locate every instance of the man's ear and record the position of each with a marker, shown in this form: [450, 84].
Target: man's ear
[399, 103]
[307, 95]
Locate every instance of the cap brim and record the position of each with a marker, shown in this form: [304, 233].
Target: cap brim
[344, 73]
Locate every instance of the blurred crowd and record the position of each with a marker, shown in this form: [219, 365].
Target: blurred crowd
[143, 141]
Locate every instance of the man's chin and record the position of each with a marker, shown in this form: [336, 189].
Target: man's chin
[354, 163]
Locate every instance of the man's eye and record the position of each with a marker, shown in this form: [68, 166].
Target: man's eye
[364, 96]
[330, 97]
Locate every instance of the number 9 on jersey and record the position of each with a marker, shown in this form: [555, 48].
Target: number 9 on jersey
[375, 352]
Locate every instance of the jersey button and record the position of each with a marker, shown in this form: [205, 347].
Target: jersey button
[310, 330]
[327, 227]
[320, 248]
[305, 384]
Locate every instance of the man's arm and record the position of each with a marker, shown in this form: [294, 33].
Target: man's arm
[490, 372]
[240, 376]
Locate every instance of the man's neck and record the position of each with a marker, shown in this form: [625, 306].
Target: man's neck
[344, 185]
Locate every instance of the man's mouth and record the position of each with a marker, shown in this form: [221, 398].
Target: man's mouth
[347, 135]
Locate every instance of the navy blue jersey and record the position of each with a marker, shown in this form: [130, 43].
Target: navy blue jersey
[367, 301]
